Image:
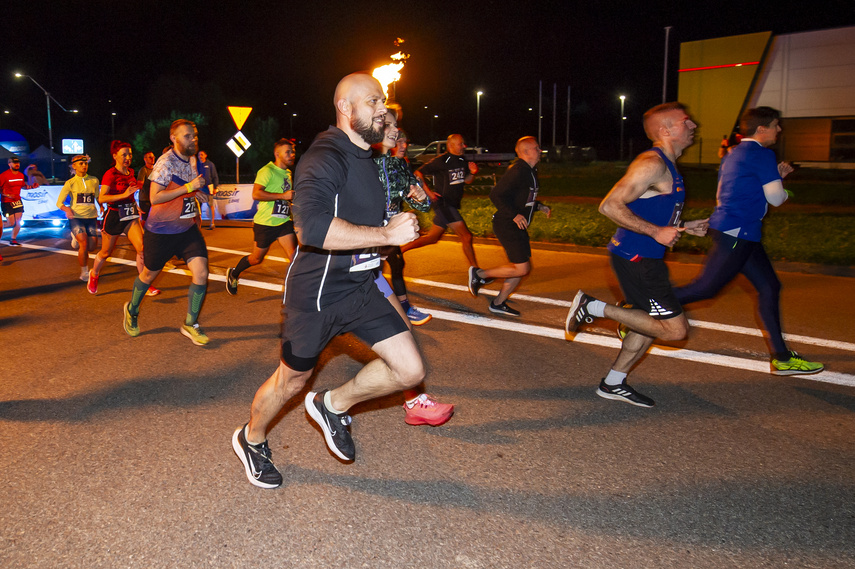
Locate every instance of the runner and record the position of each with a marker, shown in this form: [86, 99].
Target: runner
[749, 181]
[515, 198]
[118, 186]
[400, 185]
[171, 230]
[12, 181]
[399, 182]
[329, 288]
[451, 171]
[82, 192]
[274, 191]
[647, 204]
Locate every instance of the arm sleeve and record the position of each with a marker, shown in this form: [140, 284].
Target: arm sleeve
[318, 180]
[158, 175]
[502, 194]
[432, 167]
[215, 177]
[262, 178]
[774, 192]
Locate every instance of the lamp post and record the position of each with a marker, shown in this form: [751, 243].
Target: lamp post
[622, 119]
[434, 117]
[291, 125]
[48, 97]
[478, 118]
[112, 126]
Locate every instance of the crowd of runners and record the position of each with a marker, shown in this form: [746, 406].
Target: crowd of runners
[347, 207]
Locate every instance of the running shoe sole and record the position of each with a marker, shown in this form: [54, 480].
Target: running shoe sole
[615, 397]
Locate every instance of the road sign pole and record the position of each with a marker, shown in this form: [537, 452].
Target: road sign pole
[237, 169]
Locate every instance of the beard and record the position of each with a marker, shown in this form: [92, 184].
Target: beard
[367, 130]
[188, 150]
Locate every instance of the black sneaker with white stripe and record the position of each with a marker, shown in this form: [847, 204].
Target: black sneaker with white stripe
[256, 461]
[334, 426]
[624, 392]
[578, 312]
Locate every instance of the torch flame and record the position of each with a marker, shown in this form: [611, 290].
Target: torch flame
[388, 74]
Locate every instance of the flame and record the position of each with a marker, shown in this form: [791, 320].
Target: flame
[388, 74]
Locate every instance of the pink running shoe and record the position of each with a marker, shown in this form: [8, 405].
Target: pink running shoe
[92, 283]
[152, 291]
[425, 411]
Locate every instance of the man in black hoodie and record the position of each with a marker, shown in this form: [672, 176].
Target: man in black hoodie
[339, 211]
[515, 198]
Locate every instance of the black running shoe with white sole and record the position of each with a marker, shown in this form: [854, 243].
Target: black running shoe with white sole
[256, 461]
[475, 282]
[624, 392]
[578, 312]
[503, 309]
[334, 426]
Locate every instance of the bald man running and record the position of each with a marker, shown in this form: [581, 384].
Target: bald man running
[451, 172]
[515, 198]
[339, 210]
[647, 204]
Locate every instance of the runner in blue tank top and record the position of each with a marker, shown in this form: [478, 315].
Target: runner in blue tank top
[647, 204]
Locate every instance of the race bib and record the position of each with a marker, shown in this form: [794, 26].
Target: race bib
[281, 209]
[188, 208]
[83, 199]
[128, 211]
[364, 262]
[456, 176]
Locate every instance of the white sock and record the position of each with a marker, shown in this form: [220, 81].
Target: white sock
[615, 377]
[597, 308]
[328, 404]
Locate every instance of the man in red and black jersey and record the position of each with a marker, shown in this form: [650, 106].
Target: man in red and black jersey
[12, 181]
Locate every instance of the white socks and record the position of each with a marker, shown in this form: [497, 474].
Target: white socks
[615, 377]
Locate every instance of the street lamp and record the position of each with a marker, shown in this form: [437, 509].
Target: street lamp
[478, 118]
[622, 119]
[48, 97]
[434, 117]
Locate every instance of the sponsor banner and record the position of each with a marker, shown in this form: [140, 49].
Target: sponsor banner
[232, 201]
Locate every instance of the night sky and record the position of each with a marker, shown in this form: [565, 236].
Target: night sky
[145, 59]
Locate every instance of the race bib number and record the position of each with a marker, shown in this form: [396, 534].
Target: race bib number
[84, 199]
[676, 214]
[128, 211]
[456, 176]
[188, 208]
[364, 262]
[281, 209]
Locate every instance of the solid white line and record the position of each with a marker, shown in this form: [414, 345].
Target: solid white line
[610, 342]
[245, 253]
[555, 333]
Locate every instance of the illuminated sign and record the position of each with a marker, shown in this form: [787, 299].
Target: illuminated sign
[72, 146]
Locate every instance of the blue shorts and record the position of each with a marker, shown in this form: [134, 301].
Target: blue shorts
[87, 225]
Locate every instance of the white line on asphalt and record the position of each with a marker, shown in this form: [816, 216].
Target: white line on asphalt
[609, 342]
[556, 333]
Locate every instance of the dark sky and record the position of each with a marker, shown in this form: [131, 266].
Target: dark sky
[149, 57]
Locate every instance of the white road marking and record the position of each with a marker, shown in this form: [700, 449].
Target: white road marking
[556, 333]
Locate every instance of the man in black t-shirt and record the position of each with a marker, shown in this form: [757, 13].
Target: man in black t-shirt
[515, 198]
[339, 214]
[451, 172]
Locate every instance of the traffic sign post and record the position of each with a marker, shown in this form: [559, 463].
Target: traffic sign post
[238, 143]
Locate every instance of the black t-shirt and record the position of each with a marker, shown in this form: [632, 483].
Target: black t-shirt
[516, 192]
[449, 171]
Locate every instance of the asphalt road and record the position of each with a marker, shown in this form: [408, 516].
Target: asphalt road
[116, 452]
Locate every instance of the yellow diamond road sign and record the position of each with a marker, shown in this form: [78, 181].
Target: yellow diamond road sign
[239, 115]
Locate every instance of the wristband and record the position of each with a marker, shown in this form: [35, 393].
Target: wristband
[189, 188]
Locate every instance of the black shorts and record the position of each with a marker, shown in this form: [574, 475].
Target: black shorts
[114, 226]
[11, 208]
[87, 226]
[513, 239]
[158, 248]
[365, 312]
[646, 285]
[444, 214]
[266, 235]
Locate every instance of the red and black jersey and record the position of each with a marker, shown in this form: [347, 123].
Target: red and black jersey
[118, 183]
[11, 184]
